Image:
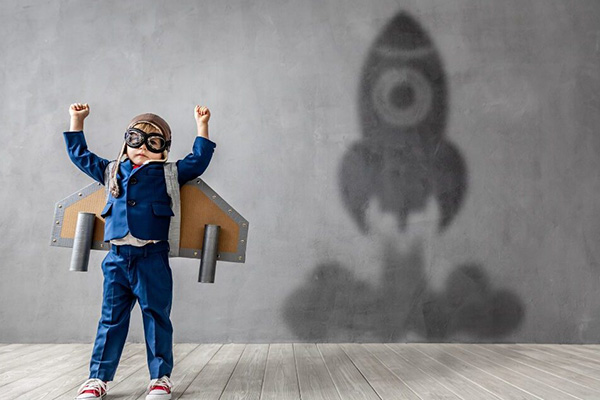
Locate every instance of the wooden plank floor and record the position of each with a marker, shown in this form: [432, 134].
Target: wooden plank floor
[305, 371]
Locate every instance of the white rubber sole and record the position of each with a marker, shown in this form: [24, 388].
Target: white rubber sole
[158, 396]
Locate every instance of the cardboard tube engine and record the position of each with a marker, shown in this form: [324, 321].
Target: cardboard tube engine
[82, 242]
[208, 261]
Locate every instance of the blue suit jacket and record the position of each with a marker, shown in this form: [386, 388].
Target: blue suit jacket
[143, 206]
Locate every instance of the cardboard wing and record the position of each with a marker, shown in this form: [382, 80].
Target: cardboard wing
[200, 205]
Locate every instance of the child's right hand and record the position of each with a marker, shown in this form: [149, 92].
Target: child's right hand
[79, 111]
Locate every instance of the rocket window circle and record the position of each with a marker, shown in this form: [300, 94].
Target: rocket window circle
[392, 102]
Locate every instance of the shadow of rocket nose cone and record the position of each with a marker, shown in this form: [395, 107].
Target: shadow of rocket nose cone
[403, 33]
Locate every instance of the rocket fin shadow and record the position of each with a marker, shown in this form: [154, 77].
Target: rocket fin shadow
[449, 181]
[358, 178]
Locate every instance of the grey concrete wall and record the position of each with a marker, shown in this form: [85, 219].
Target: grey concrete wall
[412, 171]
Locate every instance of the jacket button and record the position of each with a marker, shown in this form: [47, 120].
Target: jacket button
[133, 181]
[131, 202]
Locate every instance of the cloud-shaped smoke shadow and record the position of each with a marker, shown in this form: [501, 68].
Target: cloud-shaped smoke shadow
[334, 305]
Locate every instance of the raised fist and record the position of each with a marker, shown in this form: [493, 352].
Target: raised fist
[202, 114]
[79, 110]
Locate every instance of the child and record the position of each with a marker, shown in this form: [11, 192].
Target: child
[137, 217]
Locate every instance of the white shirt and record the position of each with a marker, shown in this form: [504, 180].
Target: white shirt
[132, 240]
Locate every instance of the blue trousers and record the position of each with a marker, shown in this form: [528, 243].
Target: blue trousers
[143, 274]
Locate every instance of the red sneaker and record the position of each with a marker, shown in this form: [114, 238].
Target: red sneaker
[92, 389]
[160, 389]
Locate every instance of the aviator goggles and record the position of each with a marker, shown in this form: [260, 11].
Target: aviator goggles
[155, 142]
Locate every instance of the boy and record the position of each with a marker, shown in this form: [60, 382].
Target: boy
[137, 217]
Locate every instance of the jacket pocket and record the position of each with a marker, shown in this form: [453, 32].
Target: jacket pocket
[106, 210]
[162, 210]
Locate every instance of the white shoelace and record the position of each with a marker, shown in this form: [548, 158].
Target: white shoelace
[162, 381]
[93, 384]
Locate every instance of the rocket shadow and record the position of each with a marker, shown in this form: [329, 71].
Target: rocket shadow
[404, 157]
[402, 160]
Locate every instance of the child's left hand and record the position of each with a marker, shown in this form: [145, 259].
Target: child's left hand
[202, 114]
